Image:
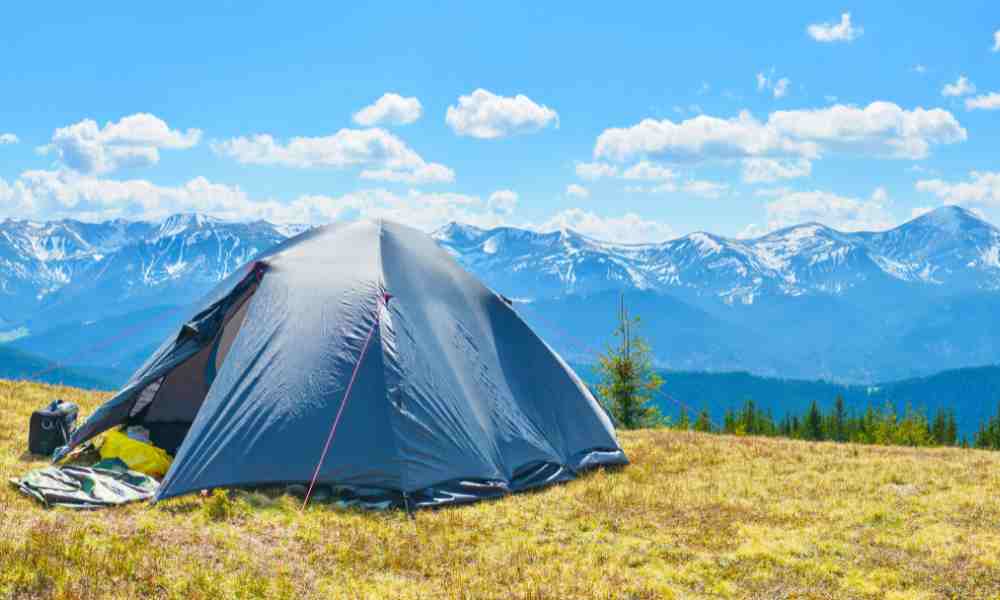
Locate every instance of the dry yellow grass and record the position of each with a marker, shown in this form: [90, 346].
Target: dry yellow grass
[694, 516]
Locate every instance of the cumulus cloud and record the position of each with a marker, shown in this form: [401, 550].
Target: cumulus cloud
[423, 174]
[391, 109]
[574, 190]
[705, 189]
[485, 115]
[694, 187]
[65, 193]
[989, 101]
[879, 129]
[503, 202]
[844, 31]
[629, 228]
[840, 212]
[982, 188]
[385, 155]
[70, 194]
[996, 41]
[961, 87]
[595, 170]
[8, 138]
[768, 170]
[134, 140]
[647, 171]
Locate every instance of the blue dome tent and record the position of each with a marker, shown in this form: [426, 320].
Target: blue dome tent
[362, 357]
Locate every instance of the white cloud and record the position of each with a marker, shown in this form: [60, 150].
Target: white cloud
[647, 171]
[595, 170]
[629, 228]
[989, 101]
[919, 211]
[705, 189]
[8, 138]
[390, 108]
[781, 87]
[65, 193]
[840, 212]
[961, 87]
[918, 68]
[983, 188]
[385, 155]
[574, 190]
[996, 41]
[767, 170]
[696, 138]
[777, 87]
[503, 202]
[483, 114]
[134, 140]
[69, 194]
[427, 173]
[835, 32]
[879, 129]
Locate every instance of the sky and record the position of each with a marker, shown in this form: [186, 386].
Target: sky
[630, 122]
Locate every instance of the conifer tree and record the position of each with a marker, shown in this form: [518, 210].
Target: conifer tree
[839, 426]
[814, 423]
[628, 380]
[951, 430]
[704, 422]
[683, 422]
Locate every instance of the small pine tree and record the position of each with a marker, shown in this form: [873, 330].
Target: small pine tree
[729, 421]
[839, 420]
[628, 378]
[939, 429]
[951, 429]
[814, 423]
[683, 422]
[704, 422]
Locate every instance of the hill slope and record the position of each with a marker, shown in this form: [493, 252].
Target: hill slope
[15, 364]
[694, 516]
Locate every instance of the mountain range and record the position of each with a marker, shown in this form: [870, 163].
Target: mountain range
[803, 302]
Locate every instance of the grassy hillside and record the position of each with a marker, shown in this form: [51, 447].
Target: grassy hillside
[694, 516]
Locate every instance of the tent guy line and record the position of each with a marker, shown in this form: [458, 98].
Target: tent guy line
[347, 394]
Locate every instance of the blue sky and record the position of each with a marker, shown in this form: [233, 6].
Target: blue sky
[626, 121]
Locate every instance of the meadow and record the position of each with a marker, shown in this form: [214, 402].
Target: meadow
[694, 516]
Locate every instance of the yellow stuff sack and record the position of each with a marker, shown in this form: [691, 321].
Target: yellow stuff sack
[139, 456]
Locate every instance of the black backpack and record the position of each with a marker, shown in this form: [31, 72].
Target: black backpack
[51, 426]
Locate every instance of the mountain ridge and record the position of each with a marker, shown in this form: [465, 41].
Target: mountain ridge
[804, 301]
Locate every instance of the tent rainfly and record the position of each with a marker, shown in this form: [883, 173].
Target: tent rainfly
[364, 358]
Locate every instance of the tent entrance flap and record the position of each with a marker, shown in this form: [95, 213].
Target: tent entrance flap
[168, 405]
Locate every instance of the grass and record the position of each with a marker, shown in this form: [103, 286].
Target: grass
[694, 516]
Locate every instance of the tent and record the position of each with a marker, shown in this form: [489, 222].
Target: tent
[363, 357]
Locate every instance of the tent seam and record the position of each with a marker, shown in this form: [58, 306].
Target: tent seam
[383, 295]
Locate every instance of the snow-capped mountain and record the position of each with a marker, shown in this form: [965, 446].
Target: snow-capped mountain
[806, 301]
[64, 270]
[949, 247]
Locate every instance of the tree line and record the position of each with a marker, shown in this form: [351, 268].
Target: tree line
[629, 383]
